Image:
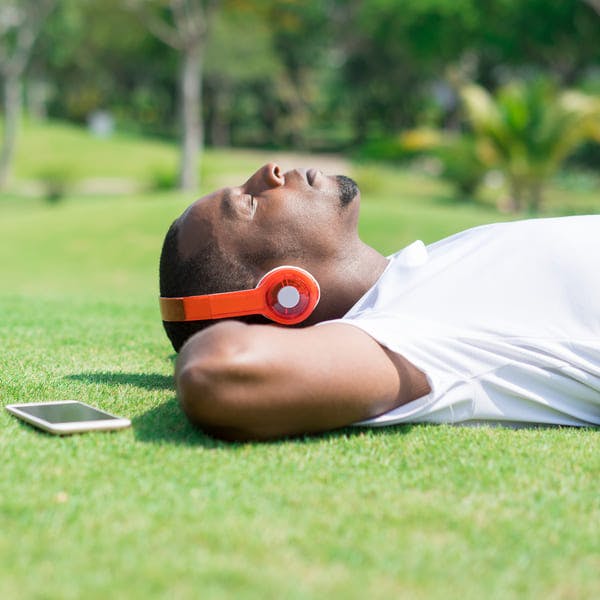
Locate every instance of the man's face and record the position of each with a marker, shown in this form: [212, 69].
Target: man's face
[301, 217]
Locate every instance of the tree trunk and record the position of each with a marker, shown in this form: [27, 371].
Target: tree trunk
[191, 116]
[37, 96]
[220, 126]
[536, 196]
[11, 101]
[516, 192]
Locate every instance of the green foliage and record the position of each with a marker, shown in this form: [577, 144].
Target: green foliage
[385, 149]
[528, 129]
[162, 178]
[236, 65]
[461, 164]
[97, 55]
[394, 51]
[403, 147]
[56, 181]
[586, 156]
[329, 73]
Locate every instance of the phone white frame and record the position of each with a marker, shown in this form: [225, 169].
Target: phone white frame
[68, 427]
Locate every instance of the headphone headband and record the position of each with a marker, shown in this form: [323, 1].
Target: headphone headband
[286, 295]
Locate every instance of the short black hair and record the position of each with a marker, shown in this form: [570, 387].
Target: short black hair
[209, 271]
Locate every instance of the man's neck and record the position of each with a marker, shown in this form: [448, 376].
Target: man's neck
[354, 275]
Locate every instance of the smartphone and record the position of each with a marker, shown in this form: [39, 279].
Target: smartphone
[67, 416]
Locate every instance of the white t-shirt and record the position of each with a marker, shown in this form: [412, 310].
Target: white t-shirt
[504, 320]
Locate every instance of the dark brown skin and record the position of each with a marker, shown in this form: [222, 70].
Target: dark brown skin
[243, 382]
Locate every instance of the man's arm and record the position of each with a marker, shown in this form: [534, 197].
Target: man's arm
[244, 382]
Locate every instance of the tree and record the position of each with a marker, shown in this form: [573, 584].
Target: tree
[184, 26]
[95, 56]
[301, 35]
[595, 4]
[528, 129]
[394, 52]
[20, 23]
[239, 68]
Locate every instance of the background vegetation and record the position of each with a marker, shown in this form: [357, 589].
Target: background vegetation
[374, 79]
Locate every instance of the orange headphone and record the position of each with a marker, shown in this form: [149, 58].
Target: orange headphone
[286, 295]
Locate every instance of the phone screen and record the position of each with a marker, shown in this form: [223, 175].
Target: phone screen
[69, 412]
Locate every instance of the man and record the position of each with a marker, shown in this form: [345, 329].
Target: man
[500, 323]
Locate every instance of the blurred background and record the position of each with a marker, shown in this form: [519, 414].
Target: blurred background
[497, 99]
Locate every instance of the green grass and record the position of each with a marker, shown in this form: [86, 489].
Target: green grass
[161, 510]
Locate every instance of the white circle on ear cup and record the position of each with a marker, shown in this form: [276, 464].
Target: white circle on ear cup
[288, 296]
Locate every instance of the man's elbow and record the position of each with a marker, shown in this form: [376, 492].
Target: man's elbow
[195, 391]
[214, 379]
[208, 402]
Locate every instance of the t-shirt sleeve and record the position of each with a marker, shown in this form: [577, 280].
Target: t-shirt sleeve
[438, 405]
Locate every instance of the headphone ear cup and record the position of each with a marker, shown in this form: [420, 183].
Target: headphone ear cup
[291, 294]
[286, 295]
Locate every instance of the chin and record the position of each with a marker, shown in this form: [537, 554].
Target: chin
[347, 189]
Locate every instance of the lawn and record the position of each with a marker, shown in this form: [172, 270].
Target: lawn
[161, 510]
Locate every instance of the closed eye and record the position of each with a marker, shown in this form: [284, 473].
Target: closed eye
[245, 205]
[251, 203]
[236, 205]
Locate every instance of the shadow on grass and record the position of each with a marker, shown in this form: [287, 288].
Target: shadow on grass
[166, 423]
[141, 380]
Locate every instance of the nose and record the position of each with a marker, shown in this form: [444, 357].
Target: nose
[268, 176]
[273, 175]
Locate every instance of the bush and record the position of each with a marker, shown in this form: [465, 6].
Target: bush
[162, 179]
[587, 156]
[528, 129]
[461, 164]
[56, 182]
[386, 149]
[406, 146]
